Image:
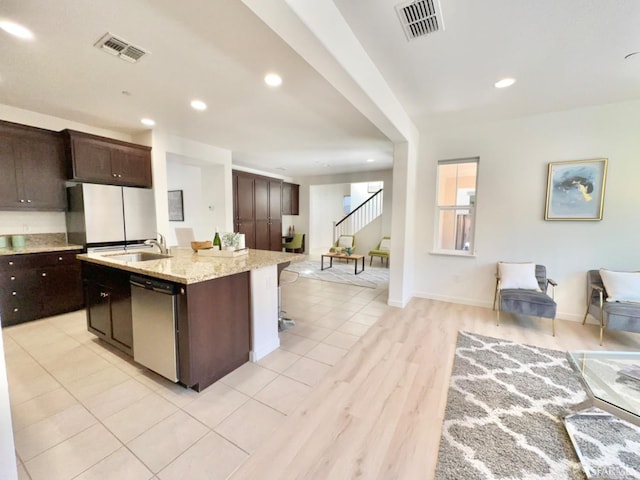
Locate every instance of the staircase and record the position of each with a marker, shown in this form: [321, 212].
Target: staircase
[359, 218]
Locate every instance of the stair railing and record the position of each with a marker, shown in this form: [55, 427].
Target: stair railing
[360, 217]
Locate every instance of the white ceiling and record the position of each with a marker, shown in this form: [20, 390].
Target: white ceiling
[564, 54]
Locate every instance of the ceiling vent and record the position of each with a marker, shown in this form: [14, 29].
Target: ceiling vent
[420, 18]
[120, 48]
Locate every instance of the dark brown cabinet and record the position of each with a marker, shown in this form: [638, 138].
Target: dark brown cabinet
[290, 199]
[103, 160]
[39, 285]
[258, 210]
[213, 341]
[33, 169]
[108, 300]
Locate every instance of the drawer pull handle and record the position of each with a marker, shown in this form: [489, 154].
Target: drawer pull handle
[60, 258]
[13, 278]
[104, 295]
[44, 274]
[15, 309]
[10, 263]
[28, 201]
[14, 293]
[21, 201]
[114, 175]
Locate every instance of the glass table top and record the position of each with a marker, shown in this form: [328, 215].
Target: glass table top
[603, 373]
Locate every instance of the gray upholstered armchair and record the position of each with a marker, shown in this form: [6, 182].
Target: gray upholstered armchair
[616, 315]
[522, 289]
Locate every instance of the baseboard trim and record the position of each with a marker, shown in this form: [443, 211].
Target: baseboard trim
[572, 317]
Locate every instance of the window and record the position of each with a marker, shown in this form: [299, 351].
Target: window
[456, 205]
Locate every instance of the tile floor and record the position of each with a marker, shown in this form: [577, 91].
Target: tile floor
[82, 410]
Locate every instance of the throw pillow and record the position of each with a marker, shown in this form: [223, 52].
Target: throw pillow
[345, 242]
[518, 275]
[385, 244]
[621, 286]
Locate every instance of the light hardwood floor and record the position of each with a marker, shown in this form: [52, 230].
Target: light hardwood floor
[356, 390]
[378, 413]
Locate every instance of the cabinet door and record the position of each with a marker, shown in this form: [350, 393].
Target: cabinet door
[275, 216]
[286, 198]
[261, 192]
[42, 171]
[91, 161]
[275, 200]
[98, 299]
[295, 199]
[61, 289]
[243, 208]
[121, 316]
[131, 166]
[8, 180]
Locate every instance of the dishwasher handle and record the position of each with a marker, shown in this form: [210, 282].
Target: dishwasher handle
[153, 284]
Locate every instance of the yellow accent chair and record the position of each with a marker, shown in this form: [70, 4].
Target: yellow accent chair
[296, 245]
[383, 250]
[344, 242]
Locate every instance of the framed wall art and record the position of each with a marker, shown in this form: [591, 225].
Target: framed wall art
[176, 207]
[575, 190]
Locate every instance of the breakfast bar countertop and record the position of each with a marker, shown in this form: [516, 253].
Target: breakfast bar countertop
[184, 266]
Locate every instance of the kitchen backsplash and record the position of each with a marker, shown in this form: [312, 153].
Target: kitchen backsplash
[27, 223]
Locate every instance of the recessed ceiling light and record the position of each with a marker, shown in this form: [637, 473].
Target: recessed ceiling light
[370, 160]
[505, 82]
[273, 80]
[148, 122]
[16, 30]
[198, 105]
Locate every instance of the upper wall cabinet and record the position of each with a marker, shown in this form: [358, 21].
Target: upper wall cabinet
[103, 160]
[290, 199]
[33, 169]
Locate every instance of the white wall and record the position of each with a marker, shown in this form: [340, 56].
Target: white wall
[512, 184]
[7, 452]
[202, 195]
[313, 213]
[325, 207]
[217, 189]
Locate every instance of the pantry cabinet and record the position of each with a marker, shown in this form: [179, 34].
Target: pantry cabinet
[258, 210]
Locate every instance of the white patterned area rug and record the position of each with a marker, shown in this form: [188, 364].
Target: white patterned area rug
[504, 418]
[341, 272]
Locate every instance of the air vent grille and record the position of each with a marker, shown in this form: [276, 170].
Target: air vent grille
[420, 18]
[113, 45]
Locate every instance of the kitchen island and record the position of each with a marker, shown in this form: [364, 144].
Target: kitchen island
[226, 308]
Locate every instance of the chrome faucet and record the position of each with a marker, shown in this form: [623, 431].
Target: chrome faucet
[161, 244]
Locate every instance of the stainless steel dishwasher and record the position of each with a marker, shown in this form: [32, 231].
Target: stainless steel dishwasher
[154, 309]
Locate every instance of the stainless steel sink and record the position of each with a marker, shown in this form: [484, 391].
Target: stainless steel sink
[139, 256]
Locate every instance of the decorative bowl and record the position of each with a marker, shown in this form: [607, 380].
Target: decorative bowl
[201, 245]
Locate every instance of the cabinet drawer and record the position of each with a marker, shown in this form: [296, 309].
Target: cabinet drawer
[23, 280]
[13, 263]
[14, 312]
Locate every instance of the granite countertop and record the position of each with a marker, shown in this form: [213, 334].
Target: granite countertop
[186, 267]
[39, 249]
[38, 243]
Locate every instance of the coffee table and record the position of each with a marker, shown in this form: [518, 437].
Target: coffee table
[617, 398]
[607, 388]
[354, 256]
